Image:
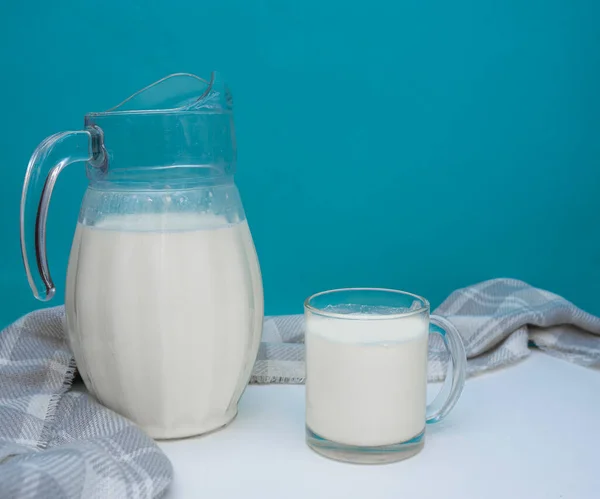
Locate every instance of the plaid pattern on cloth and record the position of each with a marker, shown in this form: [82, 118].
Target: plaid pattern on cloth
[59, 442]
[498, 321]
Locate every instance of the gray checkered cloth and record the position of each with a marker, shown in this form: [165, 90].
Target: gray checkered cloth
[62, 444]
[65, 445]
[499, 320]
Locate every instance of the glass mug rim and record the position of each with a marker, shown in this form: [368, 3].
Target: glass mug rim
[424, 308]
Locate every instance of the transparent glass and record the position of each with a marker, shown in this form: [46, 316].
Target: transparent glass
[366, 373]
[164, 301]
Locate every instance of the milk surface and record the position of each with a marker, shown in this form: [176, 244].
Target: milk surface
[164, 314]
[366, 378]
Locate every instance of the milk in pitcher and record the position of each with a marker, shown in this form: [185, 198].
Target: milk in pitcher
[160, 311]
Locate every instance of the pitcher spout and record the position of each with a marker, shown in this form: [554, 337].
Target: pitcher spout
[179, 92]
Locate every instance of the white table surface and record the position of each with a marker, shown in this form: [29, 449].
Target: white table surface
[528, 431]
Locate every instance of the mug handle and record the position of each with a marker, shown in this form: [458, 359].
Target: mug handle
[455, 374]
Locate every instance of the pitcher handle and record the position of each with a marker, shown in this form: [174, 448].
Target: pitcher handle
[456, 371]
[42, 171]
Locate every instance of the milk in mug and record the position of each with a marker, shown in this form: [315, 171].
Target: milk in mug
[366, 377]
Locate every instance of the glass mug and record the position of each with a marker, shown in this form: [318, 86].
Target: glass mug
[366, 373]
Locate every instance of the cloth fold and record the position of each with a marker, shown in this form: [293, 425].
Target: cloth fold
[63, 444]
[499, 321]
[56, 441]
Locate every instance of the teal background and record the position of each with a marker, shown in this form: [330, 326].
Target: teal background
[419, 144]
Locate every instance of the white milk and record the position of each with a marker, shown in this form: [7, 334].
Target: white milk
[165, 325]
[366, 379]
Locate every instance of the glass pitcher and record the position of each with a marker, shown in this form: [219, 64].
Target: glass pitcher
[164, 299]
